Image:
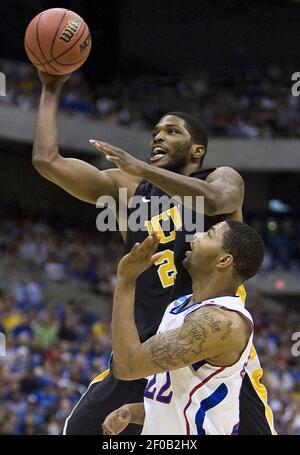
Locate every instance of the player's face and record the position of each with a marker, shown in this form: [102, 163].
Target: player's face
[206, 249]
[171, 144]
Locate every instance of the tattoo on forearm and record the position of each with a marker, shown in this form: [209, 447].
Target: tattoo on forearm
[167, 348]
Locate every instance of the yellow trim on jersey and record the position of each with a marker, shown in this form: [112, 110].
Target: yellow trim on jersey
[261, 391]
[101, 376]
[256, 376]
[241, 292]
[252, 353]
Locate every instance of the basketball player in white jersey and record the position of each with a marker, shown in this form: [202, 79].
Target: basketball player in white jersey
[196, 362]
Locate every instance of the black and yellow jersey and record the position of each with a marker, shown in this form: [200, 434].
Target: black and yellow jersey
[167, 279]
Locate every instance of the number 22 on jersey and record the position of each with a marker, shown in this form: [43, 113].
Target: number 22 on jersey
[162, 395]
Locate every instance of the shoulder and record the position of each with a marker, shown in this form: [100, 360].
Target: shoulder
[220, 313]
[226, 324]
[227, 174]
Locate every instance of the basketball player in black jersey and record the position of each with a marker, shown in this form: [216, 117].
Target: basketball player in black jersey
[177, 147]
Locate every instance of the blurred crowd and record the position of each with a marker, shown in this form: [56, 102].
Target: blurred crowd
[281, 235]
[55, 348]
[253, 103]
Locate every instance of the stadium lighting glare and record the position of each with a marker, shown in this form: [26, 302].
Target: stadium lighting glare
[276, 205]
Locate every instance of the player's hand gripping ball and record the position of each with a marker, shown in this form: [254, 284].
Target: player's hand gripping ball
[57, 41]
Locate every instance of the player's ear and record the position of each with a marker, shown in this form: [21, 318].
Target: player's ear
[225, 261]
[198, 151]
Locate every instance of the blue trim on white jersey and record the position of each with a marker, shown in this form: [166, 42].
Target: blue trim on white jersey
[182, 301]
[210, 402]
[198, 365]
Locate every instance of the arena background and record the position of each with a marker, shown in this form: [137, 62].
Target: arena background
[229, 62]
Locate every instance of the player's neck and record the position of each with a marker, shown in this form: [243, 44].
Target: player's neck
[210, 287]
[189, 168]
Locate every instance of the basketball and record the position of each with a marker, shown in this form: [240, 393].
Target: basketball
[57, 41]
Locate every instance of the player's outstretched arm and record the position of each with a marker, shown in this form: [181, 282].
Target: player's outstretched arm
[77, 177]
[119, 419]
[223, 190]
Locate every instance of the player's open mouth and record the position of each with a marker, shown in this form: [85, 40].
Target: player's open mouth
[158, 153]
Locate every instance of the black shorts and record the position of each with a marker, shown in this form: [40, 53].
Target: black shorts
[102, 397]
[108, 394]
[253, 420]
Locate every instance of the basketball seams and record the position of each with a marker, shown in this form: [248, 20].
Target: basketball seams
[67, 50]
[54, 59]
[51, 48]
[39, 44]
[73, 63]
[31, 51]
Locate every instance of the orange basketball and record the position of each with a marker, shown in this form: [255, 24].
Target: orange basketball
[57, 41]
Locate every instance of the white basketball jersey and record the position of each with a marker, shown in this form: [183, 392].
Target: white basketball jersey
[197, 399]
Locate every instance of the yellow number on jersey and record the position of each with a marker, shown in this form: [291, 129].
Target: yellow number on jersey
[154, 224]
[167, 269]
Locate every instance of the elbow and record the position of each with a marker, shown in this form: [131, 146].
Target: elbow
[42, 165]
[123, 376]
[211, 207]
[122, 372]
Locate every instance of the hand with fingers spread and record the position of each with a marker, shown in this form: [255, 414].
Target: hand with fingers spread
[122, 159]
[140, 258]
